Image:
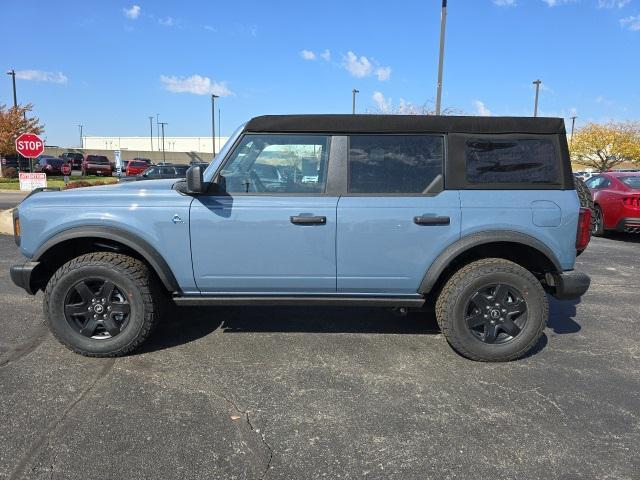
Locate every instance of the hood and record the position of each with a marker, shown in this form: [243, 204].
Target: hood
[117, 194]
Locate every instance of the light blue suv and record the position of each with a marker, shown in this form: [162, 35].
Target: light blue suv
[477, 215]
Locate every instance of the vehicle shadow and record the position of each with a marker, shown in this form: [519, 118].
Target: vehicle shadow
[182, 325]
[623, 237]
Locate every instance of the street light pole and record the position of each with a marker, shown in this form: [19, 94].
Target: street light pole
[573, 126]
[213, 122]
[12, 72]
[151, 131]
[535, 105]
[219, 125]
[81, 138]
[353, 100]
[443, 27]
[162, 124]
[158, 130]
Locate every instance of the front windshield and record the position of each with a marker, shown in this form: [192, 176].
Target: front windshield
[215, 163]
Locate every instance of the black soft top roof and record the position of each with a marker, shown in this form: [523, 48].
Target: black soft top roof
[403, 124]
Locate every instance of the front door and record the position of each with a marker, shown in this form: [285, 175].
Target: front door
[272, 229]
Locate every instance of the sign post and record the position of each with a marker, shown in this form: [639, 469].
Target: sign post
[30, 145]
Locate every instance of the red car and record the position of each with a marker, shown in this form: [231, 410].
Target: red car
[616, 196]
[96, 165]
[136, 166]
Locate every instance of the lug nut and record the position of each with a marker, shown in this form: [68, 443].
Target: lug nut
[89, 308]
[504, 310]
[109, 308]
[95, 316]
[103, 300]
[93, 300]
[486, 316]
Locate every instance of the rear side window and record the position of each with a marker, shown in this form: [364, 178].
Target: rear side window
[526, 160]
[631, 182]
[402, 164]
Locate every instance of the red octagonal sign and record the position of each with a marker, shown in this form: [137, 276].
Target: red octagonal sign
[29, 145]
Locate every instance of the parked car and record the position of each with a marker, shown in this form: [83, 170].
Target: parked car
[136, 166]
[49, 165]
[616, 198]
[477, 215]
[75, 157]
[157, 172]
[15, 161]
[96, 165]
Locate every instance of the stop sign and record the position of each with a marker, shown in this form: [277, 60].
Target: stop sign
[29, 145]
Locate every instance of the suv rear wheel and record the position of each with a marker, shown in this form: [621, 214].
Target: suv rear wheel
[492, 310]
[102, 304]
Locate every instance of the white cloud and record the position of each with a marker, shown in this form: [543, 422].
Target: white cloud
[631, 23]
[326, 55]
[358, 67]
[195, 84]
[481, 108]
[556, 3]
[210, 28]
[505, 3]
[133, 12]
[612, 3]
[382, 103]
[167, 22]
[40, 76]
[307, 55]
[383, 73]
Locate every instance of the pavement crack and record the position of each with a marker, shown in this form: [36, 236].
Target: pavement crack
[36, 446]
[33, 341]
[253, 429]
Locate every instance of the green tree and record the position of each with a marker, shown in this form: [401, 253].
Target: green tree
[604, 146]
[13, 122]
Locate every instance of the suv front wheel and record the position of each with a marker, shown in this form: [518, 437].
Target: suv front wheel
[102, 304]
[492, 310]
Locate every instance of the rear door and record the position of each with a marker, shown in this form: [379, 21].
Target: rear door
[395, 217]
[264, 233]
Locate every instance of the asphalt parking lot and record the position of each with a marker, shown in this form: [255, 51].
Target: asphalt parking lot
[302, 393]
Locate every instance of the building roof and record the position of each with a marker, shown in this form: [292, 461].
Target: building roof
[403, 124]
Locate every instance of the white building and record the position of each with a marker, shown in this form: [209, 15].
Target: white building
[171, 144]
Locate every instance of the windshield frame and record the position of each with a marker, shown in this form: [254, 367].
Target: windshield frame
[210, 172]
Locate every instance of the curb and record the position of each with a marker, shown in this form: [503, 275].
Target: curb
[6, 222]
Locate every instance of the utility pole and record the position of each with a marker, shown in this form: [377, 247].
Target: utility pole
[535, 105]
[151, 131]
[81, 137]
[353, 100]
[213, 122]
[443, 27]
[162, 124]
[219, 126]
[158, 130]
[573, 126]
[12, 72]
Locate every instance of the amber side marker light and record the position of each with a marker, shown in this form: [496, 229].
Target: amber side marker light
[16, 227]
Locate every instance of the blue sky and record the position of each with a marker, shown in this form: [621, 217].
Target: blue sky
[110, 64]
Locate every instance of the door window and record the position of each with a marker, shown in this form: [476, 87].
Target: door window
[278, 164]
[400, 164]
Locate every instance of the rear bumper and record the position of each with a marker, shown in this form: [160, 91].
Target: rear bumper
[570, 285]
[629, 225]
[22, 274]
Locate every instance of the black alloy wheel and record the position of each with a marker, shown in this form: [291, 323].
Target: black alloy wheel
[97, 308]
[496, 314]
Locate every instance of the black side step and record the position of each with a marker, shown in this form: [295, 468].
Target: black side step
[414, 302]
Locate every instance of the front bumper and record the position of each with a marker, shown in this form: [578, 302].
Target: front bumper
[570, 285]
[23, 274]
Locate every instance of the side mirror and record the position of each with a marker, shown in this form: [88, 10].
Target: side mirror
[195, 183]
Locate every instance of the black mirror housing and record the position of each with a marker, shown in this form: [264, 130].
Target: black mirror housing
[195, 182]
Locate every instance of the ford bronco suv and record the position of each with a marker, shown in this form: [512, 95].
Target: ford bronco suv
[476, 216]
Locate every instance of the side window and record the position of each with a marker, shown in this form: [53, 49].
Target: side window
[402, 164]
[278, 164]
[594, 182]
[526, 160]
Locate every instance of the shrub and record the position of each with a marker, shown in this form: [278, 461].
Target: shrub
[77, 184]
[10, 172]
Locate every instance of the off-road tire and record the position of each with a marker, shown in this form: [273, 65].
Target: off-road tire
[143, 291]
[452, 302]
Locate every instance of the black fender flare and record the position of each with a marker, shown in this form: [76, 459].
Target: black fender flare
[480, 238]
[130, 240]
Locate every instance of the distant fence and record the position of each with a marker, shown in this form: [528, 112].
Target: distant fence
[155, 157]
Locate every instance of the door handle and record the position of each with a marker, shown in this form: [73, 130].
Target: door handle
[304, 220]
[431, 220]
